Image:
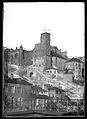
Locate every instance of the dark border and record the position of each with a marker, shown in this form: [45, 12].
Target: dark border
[2, 18]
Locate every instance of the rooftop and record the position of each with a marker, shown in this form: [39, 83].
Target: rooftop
[40, 96]
[54, 88]
[45, 33]
[17, 81]
[74, 60]
[38, 88]
[57, 55]
[51, 68]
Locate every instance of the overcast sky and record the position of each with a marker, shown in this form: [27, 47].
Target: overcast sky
[24, 22]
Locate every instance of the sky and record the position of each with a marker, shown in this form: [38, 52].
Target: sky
[23, 24]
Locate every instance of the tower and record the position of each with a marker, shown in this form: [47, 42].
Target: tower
[21, 56]
[45, 43]
[45, 49]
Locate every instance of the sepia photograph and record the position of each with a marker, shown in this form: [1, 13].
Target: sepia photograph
[43, 59]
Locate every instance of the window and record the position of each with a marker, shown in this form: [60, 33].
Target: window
[50, 71]
[16, 55]
[48, 52]
[11, 59]
[19, 90]
[54, 72]
[79, 66]
[57, 92]
[76, 65]
[16, 104]
[73, 65]
[8, 100]
[6, 89]
[37, 102]
[46, 100]
[19, 101]
[76, 76]
[9, 89]
[12, 100]
[13, 89]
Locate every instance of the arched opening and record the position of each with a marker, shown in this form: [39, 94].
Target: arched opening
[16, 55]
[11, 59]
[31, 73]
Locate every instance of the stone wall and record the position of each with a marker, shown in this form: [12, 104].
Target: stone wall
[21, 57]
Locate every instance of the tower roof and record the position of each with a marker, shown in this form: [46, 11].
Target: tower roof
[21, 46]
[45, 33]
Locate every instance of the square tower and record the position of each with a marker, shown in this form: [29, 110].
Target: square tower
[45, 44]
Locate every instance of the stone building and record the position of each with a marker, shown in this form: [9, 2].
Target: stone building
[5, 61]
[21, 57]
[76, 66]
[52, 71]
[43, 55]
[48, 56]
[42, 51]
[20, 95]
[16, 94]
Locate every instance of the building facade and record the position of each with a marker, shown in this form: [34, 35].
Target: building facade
[5, 61]
[16, 95]
[21, 57]
[76, 66]
[20, 95]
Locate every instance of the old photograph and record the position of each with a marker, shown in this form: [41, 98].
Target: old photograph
[43, 59]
